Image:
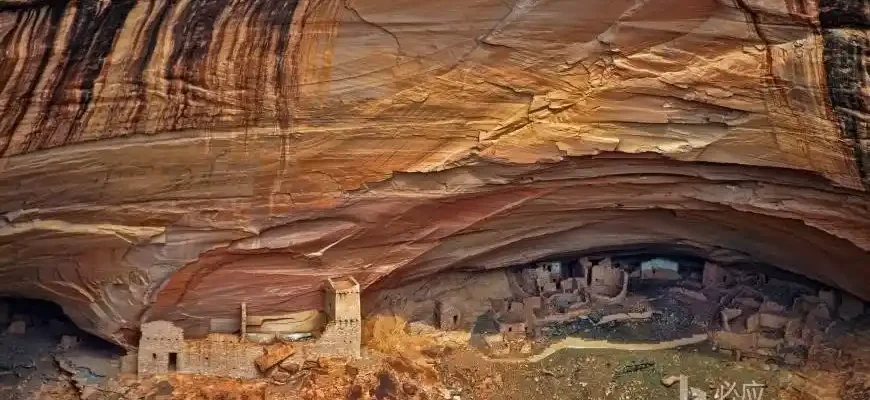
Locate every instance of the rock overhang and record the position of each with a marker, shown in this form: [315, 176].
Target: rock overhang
[169, 168]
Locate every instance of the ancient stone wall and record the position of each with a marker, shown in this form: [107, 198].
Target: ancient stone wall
[340, 339]
[606, 280]
[449, 317]
[161, 348]
[221, 355]
[342, 336]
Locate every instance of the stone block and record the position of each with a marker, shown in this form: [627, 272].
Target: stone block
[772, 320]
[771, 307]
[820, 312]
[290, 365]
[277, 374]
[129, 363]
[567, 285]
[26, 318]
[753, 323]
[273, 355]
[516, 307]
[16, 328]
[851, 307]
[67, 342]
[735, 341]
[731, 313]
[715, 276]
[747, 303]
[829, 297]
[260, 338]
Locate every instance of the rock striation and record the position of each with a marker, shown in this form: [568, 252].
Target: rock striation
[160, 160]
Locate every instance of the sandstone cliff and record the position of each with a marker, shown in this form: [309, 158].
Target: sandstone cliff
[163, 159]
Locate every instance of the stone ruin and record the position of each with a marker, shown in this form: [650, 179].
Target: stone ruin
[164, 349]
[447, 316]
[342, 336]
[749, 323]
[161, 348]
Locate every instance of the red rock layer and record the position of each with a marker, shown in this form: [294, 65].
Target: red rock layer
[166, 159]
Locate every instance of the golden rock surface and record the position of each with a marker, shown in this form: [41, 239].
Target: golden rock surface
[166, 159]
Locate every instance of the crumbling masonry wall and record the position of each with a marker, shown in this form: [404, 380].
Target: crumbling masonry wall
[340, 339]
[161, 348]
[342, 336]
[222, 355]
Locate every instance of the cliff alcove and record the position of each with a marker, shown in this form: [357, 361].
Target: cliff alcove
[162, 160]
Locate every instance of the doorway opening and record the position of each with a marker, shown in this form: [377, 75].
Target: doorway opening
[173, 362]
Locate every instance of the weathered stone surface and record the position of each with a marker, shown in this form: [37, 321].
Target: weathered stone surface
[850, 308]
[197, 152]
[273, 355]
[260, 338]
[16, 328]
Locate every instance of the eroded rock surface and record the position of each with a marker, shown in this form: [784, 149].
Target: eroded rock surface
[163, 159]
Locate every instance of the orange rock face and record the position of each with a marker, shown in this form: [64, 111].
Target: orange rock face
[169, 159]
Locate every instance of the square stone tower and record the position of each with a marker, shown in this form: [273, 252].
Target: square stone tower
[161, 348]
[342, 300]
[342, 336]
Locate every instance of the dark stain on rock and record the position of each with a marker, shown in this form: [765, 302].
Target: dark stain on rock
[137, 71]
[844, 54]
[191, 36]
[844, 14]
[14, 111]
[91, 38]
[281, 17]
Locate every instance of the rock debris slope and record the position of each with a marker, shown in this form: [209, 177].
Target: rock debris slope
[163, 159]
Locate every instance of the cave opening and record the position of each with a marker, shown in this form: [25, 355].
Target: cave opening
[40, 343]
[653, 293]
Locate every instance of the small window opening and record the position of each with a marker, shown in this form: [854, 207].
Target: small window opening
[153, 356]
[510, 329]
[455, 319]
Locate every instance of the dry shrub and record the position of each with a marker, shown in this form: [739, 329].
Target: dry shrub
[388, 334]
